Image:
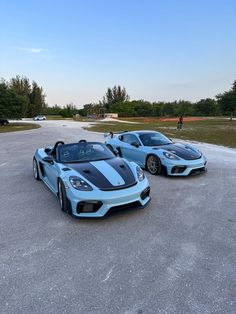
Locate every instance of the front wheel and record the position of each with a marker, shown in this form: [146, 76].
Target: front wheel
[63, 198]
[153, 164]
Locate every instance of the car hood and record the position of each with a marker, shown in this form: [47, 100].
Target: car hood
[181, 150]
[107, 175]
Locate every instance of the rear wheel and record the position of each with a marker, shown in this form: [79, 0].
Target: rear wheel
[153, 164]
[63, 198]
[35, 170]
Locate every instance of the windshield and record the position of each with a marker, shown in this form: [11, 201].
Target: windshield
[80, 152]
[154, 139]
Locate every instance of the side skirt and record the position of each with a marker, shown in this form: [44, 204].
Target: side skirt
[49, 186]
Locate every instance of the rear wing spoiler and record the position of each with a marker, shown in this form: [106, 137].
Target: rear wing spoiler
[111, 134]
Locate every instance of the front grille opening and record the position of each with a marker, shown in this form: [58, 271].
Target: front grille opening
[145, 193]
[132, 205]
[88, 207]
[197, 171]
[119, 187]
[178, 169]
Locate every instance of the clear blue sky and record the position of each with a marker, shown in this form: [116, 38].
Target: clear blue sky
[157, 49]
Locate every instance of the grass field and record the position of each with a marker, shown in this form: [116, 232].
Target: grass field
[218, 131]
[18, 126]
[56, 117]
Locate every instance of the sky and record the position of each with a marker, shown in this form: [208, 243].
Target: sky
[159, 50]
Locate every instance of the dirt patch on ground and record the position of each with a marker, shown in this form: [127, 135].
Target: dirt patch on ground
[152, 119]
[188, 119]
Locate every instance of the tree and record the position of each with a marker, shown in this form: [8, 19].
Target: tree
[34, 96]
[36, 100]
[11, 104]
[205, 107]
[157, 108]
[227, 101]
[114, 95]
[142, 108]
[183, 107]
[68, 111]
[168, 109]
[124, 109]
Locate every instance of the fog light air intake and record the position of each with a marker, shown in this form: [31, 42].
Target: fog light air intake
[178, 169]
[145, 193]
[88, 207]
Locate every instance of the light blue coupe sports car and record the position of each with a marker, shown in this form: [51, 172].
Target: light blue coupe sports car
[155, 152]
[89, 179]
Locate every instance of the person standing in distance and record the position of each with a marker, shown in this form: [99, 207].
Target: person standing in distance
[180, 123]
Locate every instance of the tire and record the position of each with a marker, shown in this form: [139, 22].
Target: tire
[153, 164]
[63, 198]
[35, 170]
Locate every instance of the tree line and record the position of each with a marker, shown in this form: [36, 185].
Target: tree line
[116, 100]
[20, 98]
[66, 111]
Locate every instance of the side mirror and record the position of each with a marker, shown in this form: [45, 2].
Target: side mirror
[48, 159]
[135, 144]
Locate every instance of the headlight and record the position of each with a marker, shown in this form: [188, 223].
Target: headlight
[170, 156]
[140, 173]
[80, 184]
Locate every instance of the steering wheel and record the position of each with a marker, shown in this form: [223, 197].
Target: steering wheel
[82, 141]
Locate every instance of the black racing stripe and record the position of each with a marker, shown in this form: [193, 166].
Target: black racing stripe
[123, 169]
[181, 151]
[93, 175]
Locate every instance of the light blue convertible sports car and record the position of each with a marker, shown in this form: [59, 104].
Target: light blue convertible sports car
[155, 152]
[89, 179]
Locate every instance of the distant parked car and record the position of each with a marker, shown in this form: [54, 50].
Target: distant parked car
[39, 118]
[4, 122]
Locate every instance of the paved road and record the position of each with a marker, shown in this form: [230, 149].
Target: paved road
[178, 255]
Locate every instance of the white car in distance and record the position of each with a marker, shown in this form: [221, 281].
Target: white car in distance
[39, 118]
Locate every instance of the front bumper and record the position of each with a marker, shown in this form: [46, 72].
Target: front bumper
[185, 167]
[97, 203]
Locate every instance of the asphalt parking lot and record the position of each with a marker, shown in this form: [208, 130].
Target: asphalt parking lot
[178, 255]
